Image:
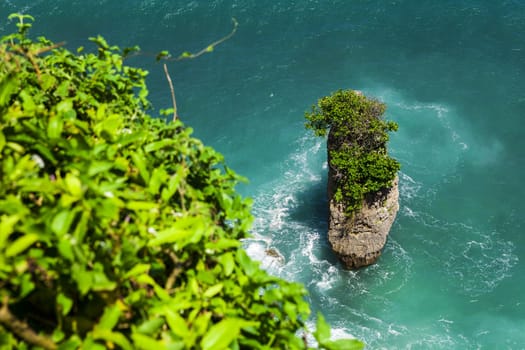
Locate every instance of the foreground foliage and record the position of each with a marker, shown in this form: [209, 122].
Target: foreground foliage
[118, 230]
[357, 138]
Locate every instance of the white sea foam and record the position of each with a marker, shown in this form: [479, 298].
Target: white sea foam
[408, 187]
[274, 204]
[408, 212]
[474, 260]
[328, 279]
[269, 257]
[336, 333]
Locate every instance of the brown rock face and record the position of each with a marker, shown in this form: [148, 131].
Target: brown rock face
[359, 239]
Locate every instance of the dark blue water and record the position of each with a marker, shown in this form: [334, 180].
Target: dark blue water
[452, 75]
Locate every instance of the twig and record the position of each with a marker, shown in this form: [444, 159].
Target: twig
[174, 273]
[173, 100]
[185, 55]
[209, 48]
[164, 55]
[48, 48]
[31, 55]
[22, 329]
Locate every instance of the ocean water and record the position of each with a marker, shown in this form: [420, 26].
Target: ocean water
[453, 76]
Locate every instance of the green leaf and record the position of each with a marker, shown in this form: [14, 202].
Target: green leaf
[82, 225]
[90, 344]
[162, 54]
[149, 327]
[18, 148]
[176, 323]
[82, 277]
[27, 101]
[65, 303]
[213, 290]
[98, 167]
[322, 333]
[137, 270]
[140, 162]
[223, 244]
[343, 344]
[73, 185]
[145, 342]
[226, 201]
[249, 266]
[228, 263]
[46, 153]
[100, 41]
[221, 334]
[55, 127]
[109, 127]
[72, 343]
[2, 140]
[48, 81]
[291, 310]
[100, 281]
[110, 318]
[21, 244]
[141, 205]
[62, 222]
[58, 336]
[20, 17]
[162, 294]
[8, 86]
[65, 107]
[26, 285]
[129, 50]
[157, 145]
[7, 224]
[158, 178]
[173, 184]
[170, 235]
[112, 337]
[65, 249]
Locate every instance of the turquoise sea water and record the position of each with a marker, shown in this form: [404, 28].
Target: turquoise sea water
[453, 76]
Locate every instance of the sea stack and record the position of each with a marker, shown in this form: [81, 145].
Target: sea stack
[363, 193]
[359, 238]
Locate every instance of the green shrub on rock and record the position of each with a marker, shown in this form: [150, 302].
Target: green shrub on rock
[118, 230]
[357, 138]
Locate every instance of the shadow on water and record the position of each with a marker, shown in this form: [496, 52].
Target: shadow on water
[312, 207]
[311, 211]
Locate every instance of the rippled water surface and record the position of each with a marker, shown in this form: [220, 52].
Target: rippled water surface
[452, 75]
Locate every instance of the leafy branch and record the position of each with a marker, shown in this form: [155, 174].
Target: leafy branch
[22, 329]
[122, 228]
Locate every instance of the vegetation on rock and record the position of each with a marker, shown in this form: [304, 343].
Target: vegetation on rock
[357, 138]
[119, 230]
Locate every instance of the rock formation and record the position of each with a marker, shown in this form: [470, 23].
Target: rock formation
[363, 189]
[359, 238]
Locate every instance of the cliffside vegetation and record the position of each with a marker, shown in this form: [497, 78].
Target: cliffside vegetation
[119, 230]
[357, 140]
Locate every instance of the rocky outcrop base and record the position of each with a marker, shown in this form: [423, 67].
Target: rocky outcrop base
[359, 239]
